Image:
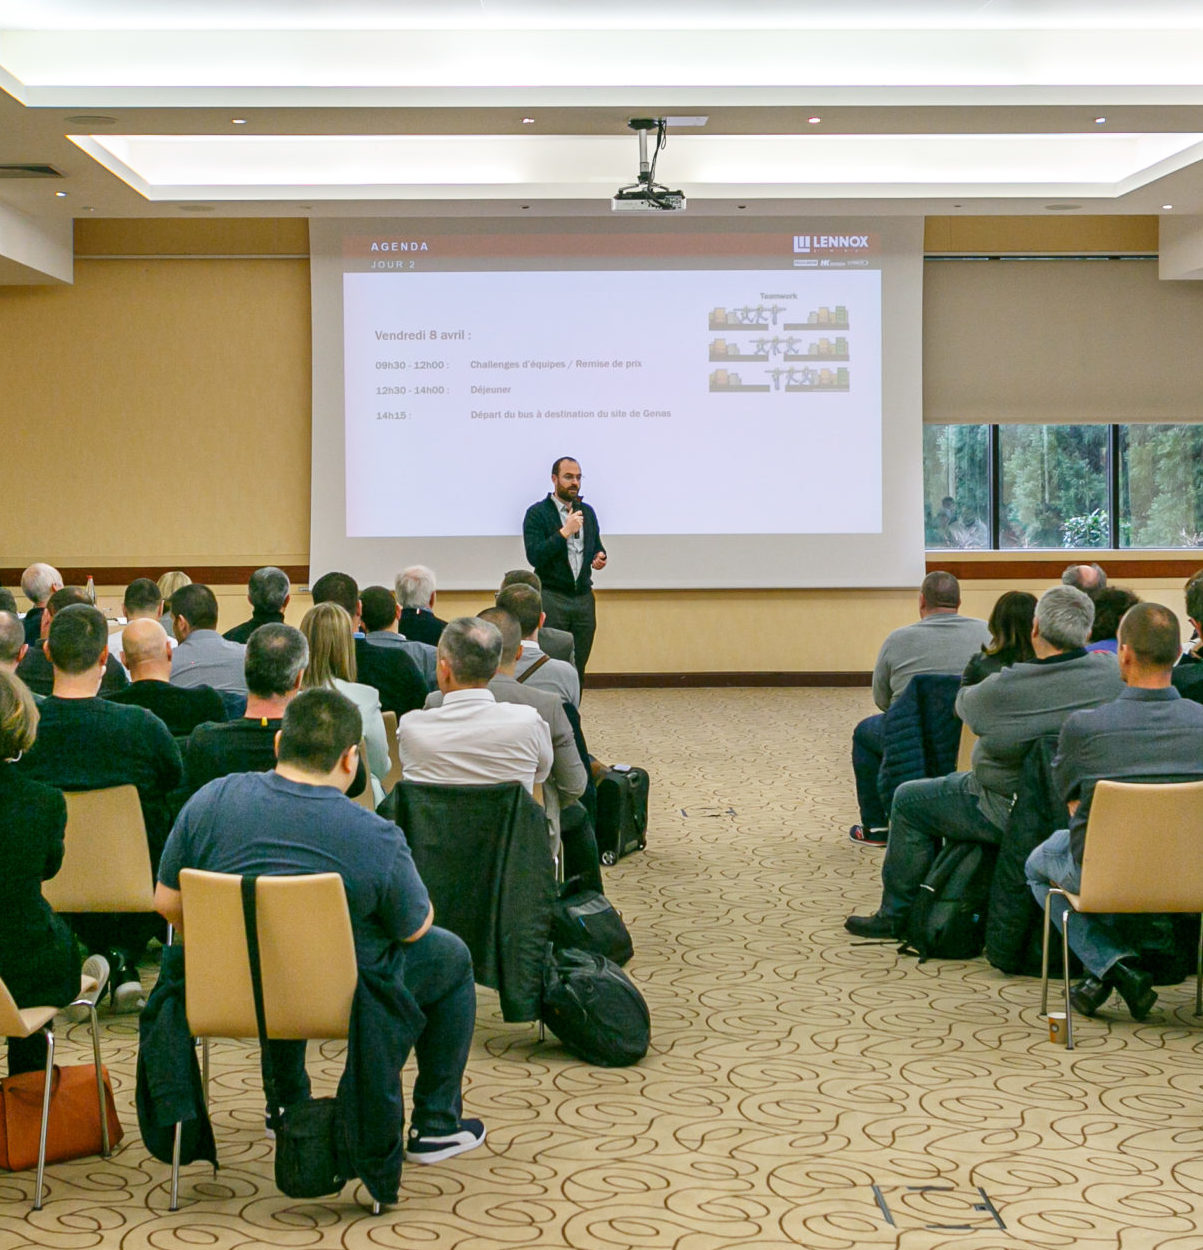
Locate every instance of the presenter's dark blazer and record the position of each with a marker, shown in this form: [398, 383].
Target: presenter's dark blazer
[547, 548]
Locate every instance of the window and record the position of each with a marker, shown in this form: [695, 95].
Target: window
[1064, 487]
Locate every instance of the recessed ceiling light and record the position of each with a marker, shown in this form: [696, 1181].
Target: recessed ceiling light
[814, 121]
[62, 195]
[528, 121]
[1167, 207]
[89, 120]
[1099, 121]
[741, 206]
[958, 206]
[237, 121]
[524, 206]
[196, 208]
[1061, 208]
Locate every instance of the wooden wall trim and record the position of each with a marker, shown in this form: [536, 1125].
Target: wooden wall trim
[122, 575]
[1051, 568]
[690, 681]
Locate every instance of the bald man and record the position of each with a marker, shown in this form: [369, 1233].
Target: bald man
[146, 654]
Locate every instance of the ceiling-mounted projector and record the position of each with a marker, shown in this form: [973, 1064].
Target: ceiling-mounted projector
[646, 195]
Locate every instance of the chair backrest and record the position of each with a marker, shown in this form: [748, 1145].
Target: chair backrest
[1144, 848]
[965, 750]
[11, 1024]
[306, 950]
[366, 797]
[394, 752]
[106, 865]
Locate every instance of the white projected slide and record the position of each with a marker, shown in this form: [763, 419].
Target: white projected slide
[744, 395]
[699, 401]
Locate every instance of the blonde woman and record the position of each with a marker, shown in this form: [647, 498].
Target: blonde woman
[169, 583]
[330, 633]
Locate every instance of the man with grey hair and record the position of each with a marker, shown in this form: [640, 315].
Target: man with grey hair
[38, 583]
[471, 739]
[268, 591]
[1008, 711]
[416, 594]
[940, 641]
[12, 644]
[1088, 578]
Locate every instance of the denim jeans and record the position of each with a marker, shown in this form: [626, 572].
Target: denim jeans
[1095, 939]
[923, 815]
[438, 973]
[868, 747]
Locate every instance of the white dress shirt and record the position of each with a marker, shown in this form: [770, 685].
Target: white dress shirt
[576, 542]
[474, 740]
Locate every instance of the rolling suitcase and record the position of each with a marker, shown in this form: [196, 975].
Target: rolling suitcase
[621, 812]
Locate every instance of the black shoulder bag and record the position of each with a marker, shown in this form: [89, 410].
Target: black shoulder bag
[309, 1163]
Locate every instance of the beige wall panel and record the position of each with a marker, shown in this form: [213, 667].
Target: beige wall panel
[1041, 235]
[174, 395]
[1059, 341]
[223, 236]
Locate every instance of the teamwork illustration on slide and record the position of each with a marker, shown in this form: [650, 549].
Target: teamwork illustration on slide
[698, 401]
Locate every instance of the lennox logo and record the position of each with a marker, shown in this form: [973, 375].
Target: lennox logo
[830, 243]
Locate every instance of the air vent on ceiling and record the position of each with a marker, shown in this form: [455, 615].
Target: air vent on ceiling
[29, 171]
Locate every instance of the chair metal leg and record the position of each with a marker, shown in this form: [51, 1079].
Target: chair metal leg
[205, 1068]
[1199, 973]
[106, 1147]
[1069, 1014]
[47, 1082]
[175, 1167]
[375, 1208]
[1044, 960]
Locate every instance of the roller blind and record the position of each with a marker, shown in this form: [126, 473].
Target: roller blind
[1060, 341]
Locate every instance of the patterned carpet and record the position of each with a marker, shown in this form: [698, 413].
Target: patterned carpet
[793, 1070]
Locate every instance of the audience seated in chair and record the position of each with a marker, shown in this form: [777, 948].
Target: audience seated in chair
[568, 779]
[941, 641]
[296, 820]
[204, 657]
[268, 593]
[88, 743]
[1110, 604]
[416, 593]
[561, 678]
[558, 643]
[38, 583]
[1188, 672]
[1148, 731]
[39, 957]
[146, 656]
[13, 646]
[1007, 711]
[396, 677]
[143, 601]
[1088, 578]
[327, 630]
[1010, 642]
[381, 615]
[36, 671]
[472, 738]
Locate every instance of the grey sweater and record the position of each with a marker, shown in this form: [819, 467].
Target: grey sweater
[1010, 710]
[940, 643]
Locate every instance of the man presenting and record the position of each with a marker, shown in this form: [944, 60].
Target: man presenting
[564, 546]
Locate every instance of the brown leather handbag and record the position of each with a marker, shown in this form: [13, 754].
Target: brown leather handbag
[74, 1122]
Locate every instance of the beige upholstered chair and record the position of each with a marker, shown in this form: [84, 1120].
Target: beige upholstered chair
[306, 951]
[1142, 854]
[394, 752]
[104, 827]
[965, 750]
[25, 1022]
[365, 798]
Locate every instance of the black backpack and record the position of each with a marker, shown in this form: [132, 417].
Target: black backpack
[587, 921]
[590, 1004]
[948, 919]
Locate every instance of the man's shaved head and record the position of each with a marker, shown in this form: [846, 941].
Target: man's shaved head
[143, 641]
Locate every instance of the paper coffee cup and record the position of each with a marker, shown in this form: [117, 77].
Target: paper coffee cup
[1057, 1028]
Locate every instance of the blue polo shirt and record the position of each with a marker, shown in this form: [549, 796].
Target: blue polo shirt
[263, 823]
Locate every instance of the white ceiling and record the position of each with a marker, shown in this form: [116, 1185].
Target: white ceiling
[392, 107]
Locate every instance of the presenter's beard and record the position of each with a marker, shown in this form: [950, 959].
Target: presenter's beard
[569, 496]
